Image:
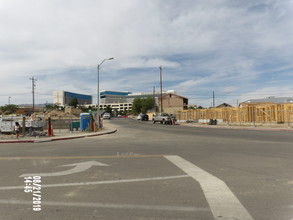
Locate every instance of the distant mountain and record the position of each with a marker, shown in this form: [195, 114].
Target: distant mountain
[36, 105]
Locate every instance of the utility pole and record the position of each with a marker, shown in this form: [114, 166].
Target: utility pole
[213, 99]
[33, 91]
[154, 93]
[161, 85]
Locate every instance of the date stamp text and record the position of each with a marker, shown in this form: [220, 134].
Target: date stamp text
[33, 185]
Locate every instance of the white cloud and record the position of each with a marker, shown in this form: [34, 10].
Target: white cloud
[147, 63]
[203, 45]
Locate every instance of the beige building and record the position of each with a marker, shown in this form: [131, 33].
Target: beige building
[122, 101]
[172, 103]
[118, 106]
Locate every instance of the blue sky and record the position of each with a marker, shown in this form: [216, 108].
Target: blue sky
[239, 49]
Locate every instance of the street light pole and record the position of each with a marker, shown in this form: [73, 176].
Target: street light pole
[98, 82]
[9, 100]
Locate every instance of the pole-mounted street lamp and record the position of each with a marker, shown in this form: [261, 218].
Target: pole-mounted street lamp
[98, 82]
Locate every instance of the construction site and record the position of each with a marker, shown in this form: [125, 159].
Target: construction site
[256, 114]
[37, 123]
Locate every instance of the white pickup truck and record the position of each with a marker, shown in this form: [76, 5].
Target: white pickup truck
[163, 118]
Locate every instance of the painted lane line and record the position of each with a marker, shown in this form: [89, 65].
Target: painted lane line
[223, 203]
[80, 157]
[79, 167]
[111, 206]
[99, 182]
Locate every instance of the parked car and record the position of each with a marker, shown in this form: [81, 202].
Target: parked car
[106, 115]
[144, 117]
[139, 117]
[164, 118]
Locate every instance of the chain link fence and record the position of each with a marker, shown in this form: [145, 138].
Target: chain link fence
[62, 124]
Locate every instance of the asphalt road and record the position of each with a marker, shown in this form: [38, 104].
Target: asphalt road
[152, 171]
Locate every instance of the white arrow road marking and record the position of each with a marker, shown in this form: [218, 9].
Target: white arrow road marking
[223, 203]
[79, 167]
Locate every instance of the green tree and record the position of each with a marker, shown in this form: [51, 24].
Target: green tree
[49, 107]
[73, 102]
[9, 109]
[142, 105]
[136, 106]
[124, 112]
[149, 103]
[108, 109]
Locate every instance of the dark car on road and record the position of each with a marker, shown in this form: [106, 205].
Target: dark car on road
[144, 117]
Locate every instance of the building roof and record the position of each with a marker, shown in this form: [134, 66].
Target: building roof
[272, 99]
[172, 94]
[106, 92]
[224, 105]
[77, 95]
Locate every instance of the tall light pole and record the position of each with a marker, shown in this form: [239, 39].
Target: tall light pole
[98, 82]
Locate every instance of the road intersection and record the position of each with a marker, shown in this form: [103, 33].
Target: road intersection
[162, 177]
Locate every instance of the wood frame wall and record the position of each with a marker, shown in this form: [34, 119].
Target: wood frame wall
[246, 112]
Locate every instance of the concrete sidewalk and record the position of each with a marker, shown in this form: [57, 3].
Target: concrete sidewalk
[58, 136]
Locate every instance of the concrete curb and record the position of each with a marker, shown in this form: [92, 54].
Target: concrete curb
[237, 127]
[59, 138]
[231, 127]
